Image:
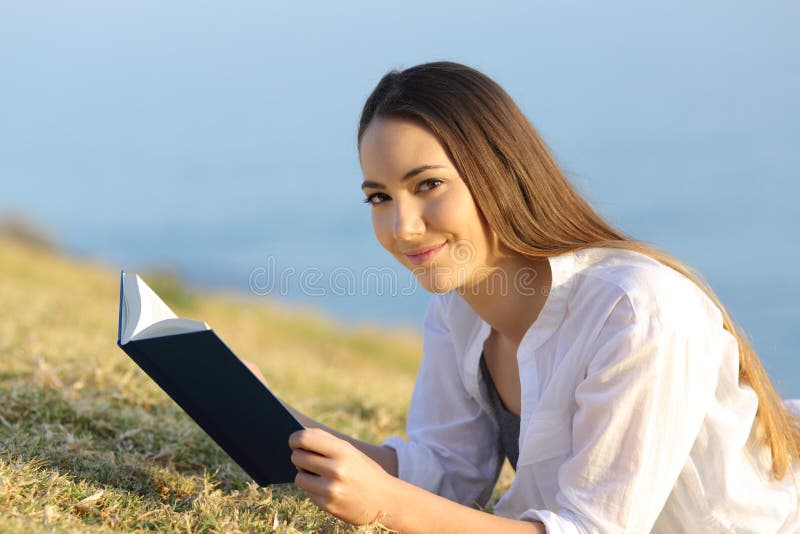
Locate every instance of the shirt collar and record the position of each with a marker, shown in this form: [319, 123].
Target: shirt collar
[552, 314]
[550, 317]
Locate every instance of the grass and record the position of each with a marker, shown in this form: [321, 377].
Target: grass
[88, 443]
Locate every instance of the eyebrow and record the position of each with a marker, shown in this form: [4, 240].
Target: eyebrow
[410, 174]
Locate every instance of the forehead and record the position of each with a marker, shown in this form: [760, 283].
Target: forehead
[391, 146]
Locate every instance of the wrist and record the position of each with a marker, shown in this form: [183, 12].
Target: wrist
[391, 499]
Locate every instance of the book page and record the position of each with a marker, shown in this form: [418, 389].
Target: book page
[143, 309]
[168, 327]
[152, 308]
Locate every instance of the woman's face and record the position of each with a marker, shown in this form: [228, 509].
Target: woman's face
[422, 211]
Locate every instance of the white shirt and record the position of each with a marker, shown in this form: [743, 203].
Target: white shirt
[632, 418]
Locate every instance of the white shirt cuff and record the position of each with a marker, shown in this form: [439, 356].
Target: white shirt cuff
[416, 464]
[564, 522]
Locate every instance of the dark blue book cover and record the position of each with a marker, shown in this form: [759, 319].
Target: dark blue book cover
[216, 389]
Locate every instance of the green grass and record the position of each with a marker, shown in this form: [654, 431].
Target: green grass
[88, 443]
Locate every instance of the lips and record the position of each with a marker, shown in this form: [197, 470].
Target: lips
[422, 250]
[421, 255]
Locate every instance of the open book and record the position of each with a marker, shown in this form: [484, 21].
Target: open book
[208, 381]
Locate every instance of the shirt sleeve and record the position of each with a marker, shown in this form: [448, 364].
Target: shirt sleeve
[453, 448]
[649, 382]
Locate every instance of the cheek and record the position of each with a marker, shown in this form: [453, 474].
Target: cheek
[457, 213]
[444, 213]
[461, 216]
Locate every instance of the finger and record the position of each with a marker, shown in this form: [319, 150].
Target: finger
[316, 440]
[315, 485]
[312, 462]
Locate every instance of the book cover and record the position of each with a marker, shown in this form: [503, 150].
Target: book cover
[217, 390]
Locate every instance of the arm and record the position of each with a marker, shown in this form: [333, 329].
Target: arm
[648, 384]
[453, 444]
[449, 466]
[437, 514]
[453, 447]
[346, 483]
[390, 496]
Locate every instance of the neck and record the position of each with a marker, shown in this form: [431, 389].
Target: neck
[510, 297]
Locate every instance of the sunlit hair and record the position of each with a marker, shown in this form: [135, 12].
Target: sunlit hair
[527, 201]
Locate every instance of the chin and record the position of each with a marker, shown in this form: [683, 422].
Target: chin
[437, 291]
[438, 285]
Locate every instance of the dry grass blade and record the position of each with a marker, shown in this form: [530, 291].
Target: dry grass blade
[90, 500]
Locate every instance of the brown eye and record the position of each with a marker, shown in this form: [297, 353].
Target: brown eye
[425, 185]
[371, 199]
[430, 181]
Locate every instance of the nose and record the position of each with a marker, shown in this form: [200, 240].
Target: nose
[408, 221]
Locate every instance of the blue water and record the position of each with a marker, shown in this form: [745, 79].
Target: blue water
[219, 141]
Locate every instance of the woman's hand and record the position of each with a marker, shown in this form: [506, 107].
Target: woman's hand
[339, 478]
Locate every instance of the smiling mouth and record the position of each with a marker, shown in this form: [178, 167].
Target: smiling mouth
[425, 255]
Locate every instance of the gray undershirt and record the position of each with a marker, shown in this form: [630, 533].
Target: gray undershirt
[508, 422]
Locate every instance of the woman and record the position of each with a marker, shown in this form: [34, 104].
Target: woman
[607, 371]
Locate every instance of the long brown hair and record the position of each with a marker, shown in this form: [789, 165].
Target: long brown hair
[530, 205]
